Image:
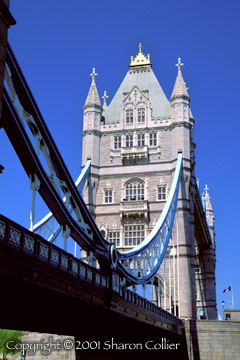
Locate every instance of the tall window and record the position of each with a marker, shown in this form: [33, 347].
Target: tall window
[129, 116]
[162, 192]
[129, 140]
[114, 237]
[117, 142]
[108, 196]
[133, 235]
[152, 139]
[141, 115]
[141, 140]
[135, 191]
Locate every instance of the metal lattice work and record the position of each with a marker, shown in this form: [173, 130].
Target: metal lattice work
[48, 227]
[141, 264]
[45, 167]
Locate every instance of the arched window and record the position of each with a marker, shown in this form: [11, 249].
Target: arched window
[141, 115]
[135, 190]
[103, 232]
[129, 116]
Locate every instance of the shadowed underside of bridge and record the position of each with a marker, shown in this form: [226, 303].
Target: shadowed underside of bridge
[38, 295]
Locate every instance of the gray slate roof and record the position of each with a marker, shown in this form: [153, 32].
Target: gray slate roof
[144, 79]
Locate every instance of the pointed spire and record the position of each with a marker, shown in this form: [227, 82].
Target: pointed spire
[207, 199]
[180, 88]
[93, 97]
[208, 208]
[190, 114]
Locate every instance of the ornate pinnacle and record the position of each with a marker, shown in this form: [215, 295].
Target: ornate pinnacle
[93, 74]
[140, 59]
[104, 97]
[180, 88]
[179, 64]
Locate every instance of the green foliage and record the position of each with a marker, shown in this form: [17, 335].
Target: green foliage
[5, 337]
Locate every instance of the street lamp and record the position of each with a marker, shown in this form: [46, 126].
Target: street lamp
[223, 303]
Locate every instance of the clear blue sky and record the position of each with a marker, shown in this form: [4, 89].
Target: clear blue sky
[57, 43]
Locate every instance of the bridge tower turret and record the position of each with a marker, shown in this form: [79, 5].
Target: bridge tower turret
[206, 282]
[182, 140]
[92, 117]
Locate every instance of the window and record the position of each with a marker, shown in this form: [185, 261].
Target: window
[129, 116]
[117, 142]
[108, 196]
[141, 140]
[141, 115]
[129, 140]
[114, 237]
[135, 191]
[152, 139]
[202, 314]
[162, 192]
[133, 235]
[227, 316]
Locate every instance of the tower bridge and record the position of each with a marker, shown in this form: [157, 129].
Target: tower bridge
[141, 219]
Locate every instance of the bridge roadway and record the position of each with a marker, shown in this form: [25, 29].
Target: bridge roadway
[46, 289]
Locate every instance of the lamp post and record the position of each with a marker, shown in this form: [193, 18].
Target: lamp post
[223, 303]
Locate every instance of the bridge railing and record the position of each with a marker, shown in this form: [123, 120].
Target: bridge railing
[144, 303]
[34, 246]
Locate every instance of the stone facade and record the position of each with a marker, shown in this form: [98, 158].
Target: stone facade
[232, 314]
[133, 145]
[213, 340]
[49, 346]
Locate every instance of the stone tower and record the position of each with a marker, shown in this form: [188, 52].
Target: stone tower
[133, 144]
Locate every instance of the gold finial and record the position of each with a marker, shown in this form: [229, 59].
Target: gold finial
[140, 59]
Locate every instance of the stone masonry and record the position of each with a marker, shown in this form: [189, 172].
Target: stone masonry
[49, 346]
[213, 340]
